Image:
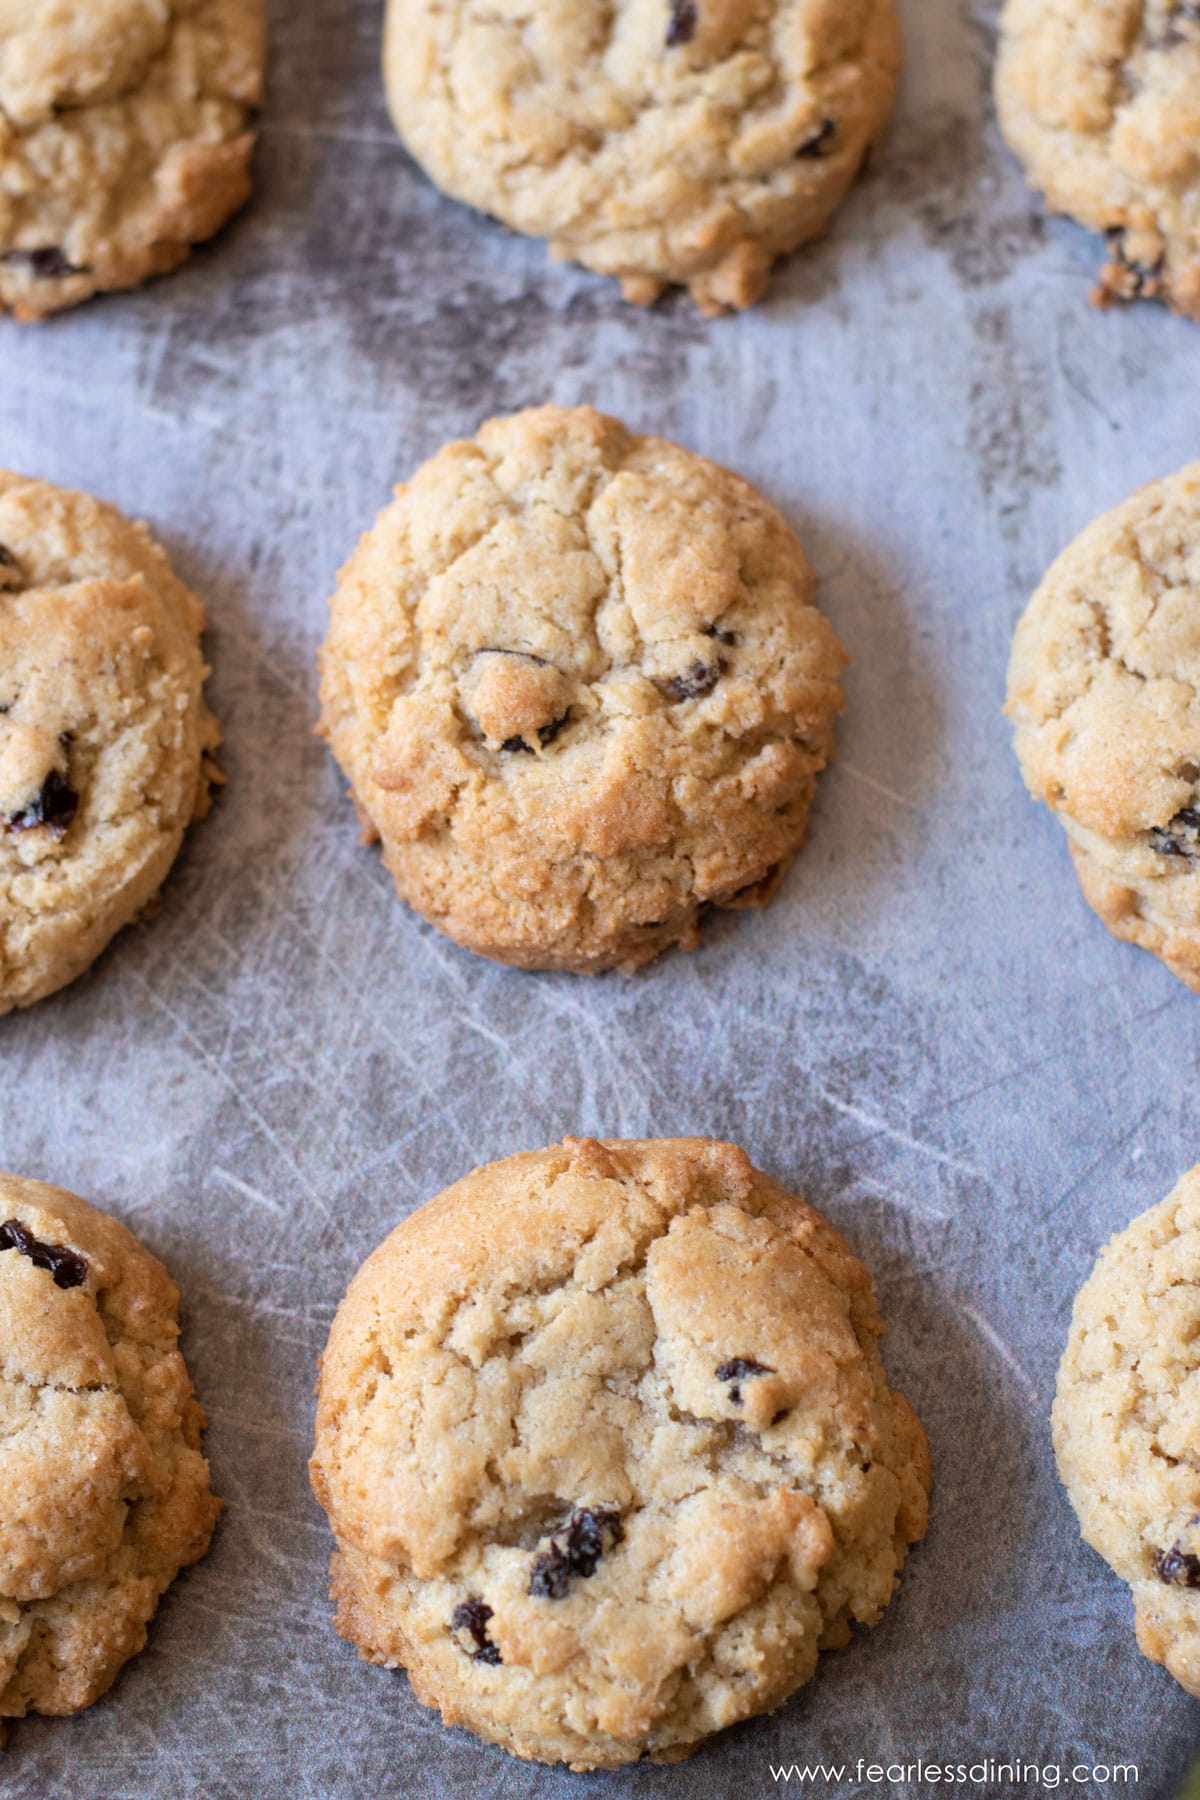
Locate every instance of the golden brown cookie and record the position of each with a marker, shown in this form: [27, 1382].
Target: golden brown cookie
[1100, 100]
[104, 734]
[1102, 692]
[1127, 1422]
[609, 1452]
[105, 1492]
[579, 689]
[660, 141]
[126, 130]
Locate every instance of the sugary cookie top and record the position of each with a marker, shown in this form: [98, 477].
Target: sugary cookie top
[613, 1417]
[1103, 685]
[1127, 1421]
[577, 682]
[1102, 103]
[123, 137]
[105, 1492]
[649, 137]
[103, 731]
[55, 54]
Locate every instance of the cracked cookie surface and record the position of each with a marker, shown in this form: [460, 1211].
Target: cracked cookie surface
[1100, 101]
[608, 1450]
[126, 131]
[104, 734]
[106, 1492]
[1127, 1422]
[660, 141]
[579, 689]
[1102, 692]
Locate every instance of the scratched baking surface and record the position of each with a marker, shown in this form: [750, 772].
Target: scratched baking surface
[927, 1034]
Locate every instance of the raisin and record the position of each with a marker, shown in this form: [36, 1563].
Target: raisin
[699, 680]
[820, 143]
[1181, 837]
[739, 1369]
[681, 27]
[472, 1615]
[7, 559]
[1178, 1568]
[48, 263]
[575, 1551]
[68, 1268]
[54, 806]
[546, 734]
[722, 634]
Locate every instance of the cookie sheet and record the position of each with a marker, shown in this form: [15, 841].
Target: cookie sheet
[927, 1034]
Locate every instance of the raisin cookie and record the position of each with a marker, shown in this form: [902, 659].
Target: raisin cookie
[609, 1452]
[104, 734]
[660, 141]
[126, 130]
[1127, 1422]
[579, 689]
[1100, 100]
[1104, 692]
[106, 1493]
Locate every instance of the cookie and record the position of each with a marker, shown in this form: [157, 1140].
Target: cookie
[660, 141]
[106, 1493]
[126, 131]
[609, 1452]
[1103, 693]
[579, 689]
[104, 734]
[1127, 1422]
[1100, 101]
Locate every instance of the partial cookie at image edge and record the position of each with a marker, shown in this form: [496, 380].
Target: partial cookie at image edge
[127, 140]
[106, 742]
[1104, 699]
[1126, 1427]
[107, 1490]
[688, 144]
[1099, 106]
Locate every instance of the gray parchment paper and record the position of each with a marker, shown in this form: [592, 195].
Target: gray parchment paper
[927, 1034]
